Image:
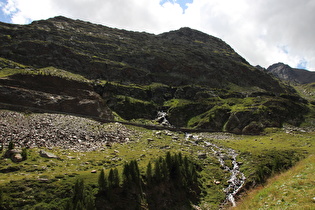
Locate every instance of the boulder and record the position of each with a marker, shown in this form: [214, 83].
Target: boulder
[46, 154]
[253, 128]
[11, 152]
[17, 158]
[14, 154]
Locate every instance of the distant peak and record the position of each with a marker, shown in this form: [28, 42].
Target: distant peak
[189, 33]
[279, 65]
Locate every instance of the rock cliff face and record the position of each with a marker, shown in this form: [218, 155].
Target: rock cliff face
[285, 72]
[199, 80]
[50, 93]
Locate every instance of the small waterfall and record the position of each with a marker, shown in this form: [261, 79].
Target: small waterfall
[161, 118]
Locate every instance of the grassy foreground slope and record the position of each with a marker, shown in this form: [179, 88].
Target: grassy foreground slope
[293, 189]
[41, 183]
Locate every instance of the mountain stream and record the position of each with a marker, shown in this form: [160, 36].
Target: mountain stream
[237, 178]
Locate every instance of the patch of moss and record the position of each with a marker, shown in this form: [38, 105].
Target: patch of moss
[52, 71]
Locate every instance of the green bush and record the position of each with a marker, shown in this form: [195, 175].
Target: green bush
[24, 153]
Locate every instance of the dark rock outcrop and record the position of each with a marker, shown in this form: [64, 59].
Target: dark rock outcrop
[51, 93]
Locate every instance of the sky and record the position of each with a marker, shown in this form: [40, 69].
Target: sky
[264, 32]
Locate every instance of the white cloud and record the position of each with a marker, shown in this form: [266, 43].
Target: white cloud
[258, 30]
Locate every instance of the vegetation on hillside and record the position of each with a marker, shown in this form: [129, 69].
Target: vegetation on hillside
[293, 189]
[41, 183]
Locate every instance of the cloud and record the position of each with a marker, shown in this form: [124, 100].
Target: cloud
[262, 31]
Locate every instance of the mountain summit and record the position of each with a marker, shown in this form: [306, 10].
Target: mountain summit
[285, 72]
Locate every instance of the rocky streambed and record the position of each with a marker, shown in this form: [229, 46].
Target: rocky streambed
[237, 178]
[227, 158]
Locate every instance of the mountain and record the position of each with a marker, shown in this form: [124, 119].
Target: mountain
[198, 80]
[285, 72]
[174, 58]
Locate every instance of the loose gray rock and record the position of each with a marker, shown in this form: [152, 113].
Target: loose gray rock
[46, 154]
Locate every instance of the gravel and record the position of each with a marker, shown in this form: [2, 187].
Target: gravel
[57, 130]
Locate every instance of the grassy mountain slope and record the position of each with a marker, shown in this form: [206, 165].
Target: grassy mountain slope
[293, 189]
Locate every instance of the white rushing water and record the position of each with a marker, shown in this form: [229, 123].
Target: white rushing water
[237, 178]
[162, 119]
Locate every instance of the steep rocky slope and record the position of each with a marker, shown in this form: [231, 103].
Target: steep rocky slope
[285, 72]
[199, 80]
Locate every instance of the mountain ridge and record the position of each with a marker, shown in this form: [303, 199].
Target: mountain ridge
[89, 49]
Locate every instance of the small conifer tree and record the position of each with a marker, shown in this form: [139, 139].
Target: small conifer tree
[102, 182]
[24, 153]
[149, 173]
[11, 145]
[111, 179]
[1, 198]
[116, 178]
[78, 192]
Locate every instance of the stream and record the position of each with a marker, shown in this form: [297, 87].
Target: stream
[237, 178]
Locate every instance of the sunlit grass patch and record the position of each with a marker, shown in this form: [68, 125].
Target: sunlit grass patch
[293, 189]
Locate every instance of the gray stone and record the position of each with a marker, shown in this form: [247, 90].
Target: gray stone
[46, 154]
